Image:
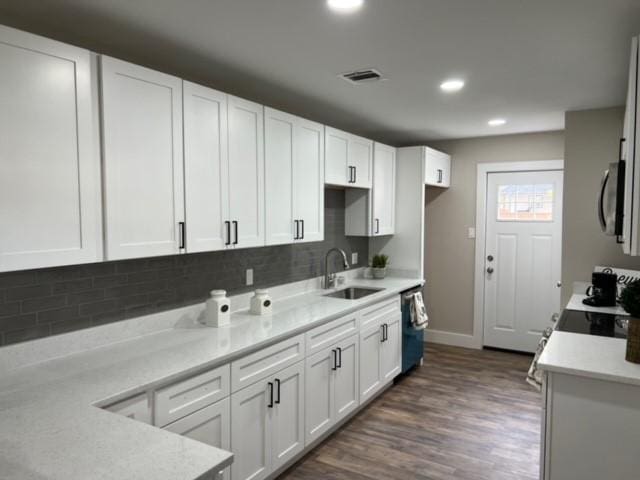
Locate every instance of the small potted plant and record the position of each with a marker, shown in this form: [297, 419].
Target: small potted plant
[630, 301]
[379, 266]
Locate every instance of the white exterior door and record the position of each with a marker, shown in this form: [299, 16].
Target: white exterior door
[143, 168]
[279, 131]
[522, 257]
[319, 394]
[308, 181]
[347, 378]
[288, 415]
[251, 435]
[49, 154]
[246, 172]
[211, 425]
[384, 190]
[206, 168]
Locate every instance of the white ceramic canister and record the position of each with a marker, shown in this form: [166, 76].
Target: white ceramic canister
[261, 303]
[218, 311]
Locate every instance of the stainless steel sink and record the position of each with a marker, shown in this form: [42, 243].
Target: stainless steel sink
[353, 293]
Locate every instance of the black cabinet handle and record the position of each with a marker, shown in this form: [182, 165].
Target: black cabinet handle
[439, 176]
[377, 225]
[355, 174]
[350, 175]
[227, 225]
[278, 384]
[270, 395]
[182, 233]
[302, 234]
[335, 360]
[235, 229]
[297, 228]
[339, 365]
[382, 334]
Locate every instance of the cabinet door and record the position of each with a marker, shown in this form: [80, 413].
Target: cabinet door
[346, 378]
[631, 154]
[384, 190]
[319, 396]
[437, 168]
[49, 154]
[246, 172]
[251, 434]
[142, 135]
[211, 425]
[279, 131]
[370, 376]
[361, 159]
[391, 350]
[205, 167]
[308, 180]
[337, 150]
[288, 415]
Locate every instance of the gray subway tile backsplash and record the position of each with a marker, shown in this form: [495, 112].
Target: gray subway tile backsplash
[39, 303]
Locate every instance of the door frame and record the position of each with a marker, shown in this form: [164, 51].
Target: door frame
[483, 171]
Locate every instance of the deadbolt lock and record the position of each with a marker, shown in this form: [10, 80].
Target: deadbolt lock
[490, 258]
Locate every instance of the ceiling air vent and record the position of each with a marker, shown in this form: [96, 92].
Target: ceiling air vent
[367, 75]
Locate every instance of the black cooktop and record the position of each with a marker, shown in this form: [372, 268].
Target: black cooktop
[593, 323]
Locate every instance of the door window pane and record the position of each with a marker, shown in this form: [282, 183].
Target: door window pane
[525, 203]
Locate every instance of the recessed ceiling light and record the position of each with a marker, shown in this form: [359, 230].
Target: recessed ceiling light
[496, 122]
[345, 6]
[452, 85]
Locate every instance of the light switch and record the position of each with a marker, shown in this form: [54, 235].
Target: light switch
[249, 276]
[472, 232]
[354, 258]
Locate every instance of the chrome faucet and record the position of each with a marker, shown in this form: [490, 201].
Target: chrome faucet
[330, 278]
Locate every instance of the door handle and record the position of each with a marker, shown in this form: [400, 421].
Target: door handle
[490, 270]
[603, 187]
[351, 175]
[297, 227]
[270, 405]
[227, 224]
[235, 229]
[335, 360]
[182, 227]
[439, 176]
[278, 385]
[339, 365]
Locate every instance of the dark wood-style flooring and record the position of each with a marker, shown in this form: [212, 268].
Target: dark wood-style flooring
[464, 415]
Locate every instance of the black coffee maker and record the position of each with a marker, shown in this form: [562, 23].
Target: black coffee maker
[604, 290]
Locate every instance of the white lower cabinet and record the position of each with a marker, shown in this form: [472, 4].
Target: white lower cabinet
[370, 375]
[391, 348]
[332, 386]
[211, 425]
[268, 423]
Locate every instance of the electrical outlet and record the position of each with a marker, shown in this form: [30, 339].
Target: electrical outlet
[471, 232]
[354, 258]
[249, 276]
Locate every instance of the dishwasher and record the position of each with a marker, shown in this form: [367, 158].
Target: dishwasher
[412, 339]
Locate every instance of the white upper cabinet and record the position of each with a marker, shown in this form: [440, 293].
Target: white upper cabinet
[206, 168]
[49, 154]
[294, 179]
[437, 168]
[631, 155]
[246, 172]
[143, 168]
[348, 159]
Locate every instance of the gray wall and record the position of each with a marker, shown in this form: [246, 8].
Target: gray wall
[591, 144]
[449, 254]
[39, 303]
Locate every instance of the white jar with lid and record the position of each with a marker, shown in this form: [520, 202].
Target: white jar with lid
[261, 303]
[218, 310]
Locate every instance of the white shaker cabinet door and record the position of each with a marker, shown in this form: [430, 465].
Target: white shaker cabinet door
[206, 168]
[336, 167]
[370, 376]
[319, 394]
[246, 172]
[279, 157]
[391, 349]
[288, 415]
[384, 190]
[49, 154]
[347, 397]
[142, 136]
[251, 433]
[361, 161]
[308, 181]
[210, 425]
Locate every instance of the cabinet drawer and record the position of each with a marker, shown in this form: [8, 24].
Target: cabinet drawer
[376, 313]
[265, 362]
[182, 398]
[137, 408]
[331, 332]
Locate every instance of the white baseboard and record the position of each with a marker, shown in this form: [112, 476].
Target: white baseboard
[452, 338]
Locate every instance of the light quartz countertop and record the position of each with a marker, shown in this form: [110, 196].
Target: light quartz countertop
[592, 356]
[51, 428]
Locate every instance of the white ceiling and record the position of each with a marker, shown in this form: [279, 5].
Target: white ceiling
[525, 60]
